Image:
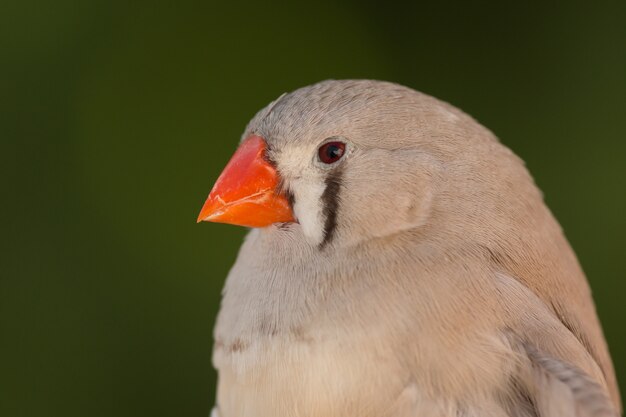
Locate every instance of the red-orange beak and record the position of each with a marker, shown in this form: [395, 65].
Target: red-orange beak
[246, 193]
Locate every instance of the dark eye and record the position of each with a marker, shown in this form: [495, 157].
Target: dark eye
[332, 152]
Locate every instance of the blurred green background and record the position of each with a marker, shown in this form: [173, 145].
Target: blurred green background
[116, 117]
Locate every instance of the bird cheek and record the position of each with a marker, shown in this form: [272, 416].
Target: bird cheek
[384, 210]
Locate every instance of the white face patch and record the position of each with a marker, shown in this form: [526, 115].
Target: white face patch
[307, 184]
[308, 207]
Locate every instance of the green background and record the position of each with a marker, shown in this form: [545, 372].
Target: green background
[116, 117]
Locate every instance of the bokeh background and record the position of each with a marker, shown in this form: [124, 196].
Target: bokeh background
[116, 117]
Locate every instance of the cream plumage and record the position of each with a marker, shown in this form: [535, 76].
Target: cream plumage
[407, 268]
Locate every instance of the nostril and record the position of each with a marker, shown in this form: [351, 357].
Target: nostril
[291, 198]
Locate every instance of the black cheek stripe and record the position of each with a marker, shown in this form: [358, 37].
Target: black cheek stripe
[330, 202]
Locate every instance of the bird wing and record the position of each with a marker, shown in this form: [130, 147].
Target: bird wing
[551, 387]
[557, 376]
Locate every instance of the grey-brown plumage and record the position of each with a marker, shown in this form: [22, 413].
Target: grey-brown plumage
[424, 277]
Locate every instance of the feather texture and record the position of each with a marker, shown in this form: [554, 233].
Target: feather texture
[430, 280]
[561, 389]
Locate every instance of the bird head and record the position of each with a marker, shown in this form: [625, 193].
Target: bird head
[351, 160]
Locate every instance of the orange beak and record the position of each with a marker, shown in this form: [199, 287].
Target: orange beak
[246, 193]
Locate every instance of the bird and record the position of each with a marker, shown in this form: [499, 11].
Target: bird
[400, 262]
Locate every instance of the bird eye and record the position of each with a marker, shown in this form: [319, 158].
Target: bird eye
[331, 152]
